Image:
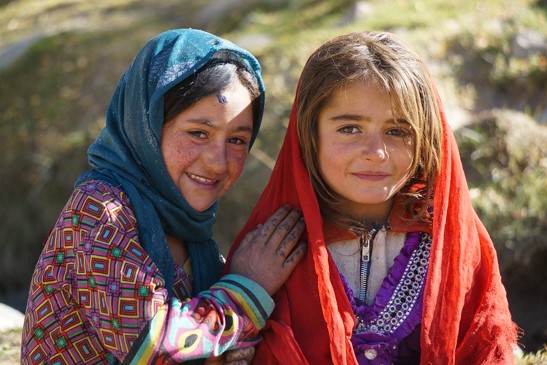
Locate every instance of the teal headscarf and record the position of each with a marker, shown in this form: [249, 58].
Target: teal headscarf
[127, 151]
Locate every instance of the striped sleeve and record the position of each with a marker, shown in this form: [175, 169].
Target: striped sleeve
[226, 316]
[252, 298]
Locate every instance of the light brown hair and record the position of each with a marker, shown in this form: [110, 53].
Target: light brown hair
[384, 60]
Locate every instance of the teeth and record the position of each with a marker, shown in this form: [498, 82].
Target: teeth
[201, 179]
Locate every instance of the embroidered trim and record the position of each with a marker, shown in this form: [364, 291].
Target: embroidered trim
[405, 295]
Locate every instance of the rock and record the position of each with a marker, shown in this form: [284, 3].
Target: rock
[10, 318]
[527, 43]
[13, 52]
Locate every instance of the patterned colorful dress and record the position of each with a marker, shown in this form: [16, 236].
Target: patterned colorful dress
[96, 294]
[388, 317]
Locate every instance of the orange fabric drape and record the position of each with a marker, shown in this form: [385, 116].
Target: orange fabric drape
[466, 319]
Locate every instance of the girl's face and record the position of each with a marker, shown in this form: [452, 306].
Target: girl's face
[205, 147]
[365, 152]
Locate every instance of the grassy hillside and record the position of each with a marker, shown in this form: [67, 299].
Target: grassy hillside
[60, 61]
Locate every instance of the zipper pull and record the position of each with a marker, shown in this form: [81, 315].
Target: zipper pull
[364, 265]
[365, 247]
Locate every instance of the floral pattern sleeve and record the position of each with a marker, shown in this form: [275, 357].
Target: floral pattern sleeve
[96, 294]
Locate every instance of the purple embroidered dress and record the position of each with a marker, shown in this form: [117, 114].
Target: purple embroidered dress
[387, 330]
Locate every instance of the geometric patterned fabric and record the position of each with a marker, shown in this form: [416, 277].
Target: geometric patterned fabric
[95, 294]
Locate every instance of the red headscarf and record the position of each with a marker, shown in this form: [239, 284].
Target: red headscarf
[465, 317]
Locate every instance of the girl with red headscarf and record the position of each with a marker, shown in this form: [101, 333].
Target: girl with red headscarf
[399, 269]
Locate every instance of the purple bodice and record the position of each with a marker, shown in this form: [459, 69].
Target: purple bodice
[388, 331]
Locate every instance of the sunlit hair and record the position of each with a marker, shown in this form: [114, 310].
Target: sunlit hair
[383, 60]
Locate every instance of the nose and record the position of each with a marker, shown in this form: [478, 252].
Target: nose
[215, 158]
[374, 148]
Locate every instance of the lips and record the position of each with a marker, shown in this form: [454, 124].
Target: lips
[371, 175]
[201, 179]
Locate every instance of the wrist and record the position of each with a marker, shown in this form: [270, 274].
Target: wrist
[252, 297]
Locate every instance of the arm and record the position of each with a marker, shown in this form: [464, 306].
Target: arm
[132, 314]
[226, 316]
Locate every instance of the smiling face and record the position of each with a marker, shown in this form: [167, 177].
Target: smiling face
[364, 151]
[205, 147]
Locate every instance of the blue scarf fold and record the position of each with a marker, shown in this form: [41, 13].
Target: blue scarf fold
[127, 151]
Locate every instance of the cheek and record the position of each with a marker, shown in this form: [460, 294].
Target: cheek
[402, 149]
[167, 155]
[409, 152]
[176, 157]
[403, 157]
[327, 150]
[330, 160]
[237, 163]
[322, 159]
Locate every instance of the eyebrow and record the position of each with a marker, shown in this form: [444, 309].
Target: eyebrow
[343, 117]
[244, 129]
[358, 117]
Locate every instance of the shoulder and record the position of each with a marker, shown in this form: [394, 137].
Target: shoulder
[98, 189]
[98, 202]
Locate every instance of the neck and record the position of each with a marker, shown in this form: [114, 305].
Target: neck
[369, 215]
[178, 250]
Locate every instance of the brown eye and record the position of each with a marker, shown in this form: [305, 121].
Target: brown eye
[238, 141]
[350, 129]
[198, 134]
[399, 132]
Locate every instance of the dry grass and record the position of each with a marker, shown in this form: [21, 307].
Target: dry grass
[10, 344]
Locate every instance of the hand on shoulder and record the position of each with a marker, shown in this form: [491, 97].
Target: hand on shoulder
[269, 253]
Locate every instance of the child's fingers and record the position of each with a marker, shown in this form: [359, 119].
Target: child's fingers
[292, 238]
[270, 227]
[286, 231]
[296, 254]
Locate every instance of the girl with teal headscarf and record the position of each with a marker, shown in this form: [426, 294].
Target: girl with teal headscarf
[130, 272]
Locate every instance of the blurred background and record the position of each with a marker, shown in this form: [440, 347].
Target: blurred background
[60, 61]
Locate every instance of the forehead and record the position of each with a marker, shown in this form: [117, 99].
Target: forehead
[360, 92]
[357, 96]
[351, 89]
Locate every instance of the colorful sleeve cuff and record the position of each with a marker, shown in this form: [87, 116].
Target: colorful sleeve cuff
[252, 298]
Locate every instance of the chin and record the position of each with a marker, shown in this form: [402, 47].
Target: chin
[200, 207]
